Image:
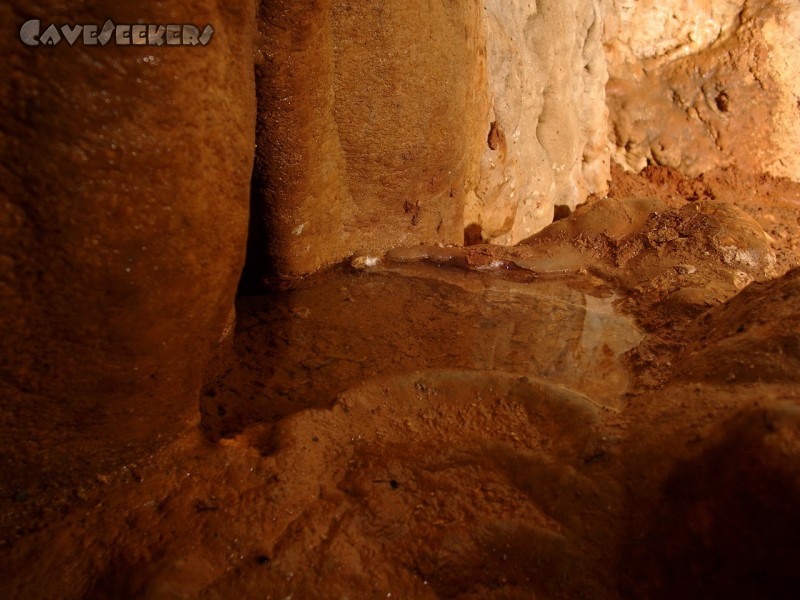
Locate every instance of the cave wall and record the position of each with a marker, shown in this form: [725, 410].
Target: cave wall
[547, 119]
[126, 171]
[123, 216]
[698, 85]
[380, 128]
[370, 126]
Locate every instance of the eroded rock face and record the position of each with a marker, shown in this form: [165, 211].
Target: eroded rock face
[700, 85]
[547, 123]
[122, 226]
[396, 123]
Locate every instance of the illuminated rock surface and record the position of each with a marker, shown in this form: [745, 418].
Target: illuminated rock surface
[379, 129]
[443, 422]
[547, 141]
[695, 86]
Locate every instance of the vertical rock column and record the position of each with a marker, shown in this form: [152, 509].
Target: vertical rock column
[403, 122]
[546, 130]
[371, 124]
[125, 185]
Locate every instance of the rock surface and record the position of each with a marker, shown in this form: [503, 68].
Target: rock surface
[547, 122]
[370, 127]
[701, 85]
[610, 409]
[415, 463]
[122, 223]
[379, 128]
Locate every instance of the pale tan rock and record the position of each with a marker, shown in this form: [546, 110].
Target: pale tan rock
[664, 30]
[547, 122]
[698, 85]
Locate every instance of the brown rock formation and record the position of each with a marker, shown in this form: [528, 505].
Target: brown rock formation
[123, 213]
[408, 122]
[609, 409]
[370, 126]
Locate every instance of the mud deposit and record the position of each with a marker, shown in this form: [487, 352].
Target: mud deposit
[610, 409]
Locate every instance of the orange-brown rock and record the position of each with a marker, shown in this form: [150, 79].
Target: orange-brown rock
[408, 122]
[123, 215]
[370, 126]
[695, 86]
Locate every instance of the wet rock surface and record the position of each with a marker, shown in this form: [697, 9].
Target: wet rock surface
[408, 316]
[608, 409]
[442, 422]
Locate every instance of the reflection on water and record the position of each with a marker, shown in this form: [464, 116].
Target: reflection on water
[303, 348]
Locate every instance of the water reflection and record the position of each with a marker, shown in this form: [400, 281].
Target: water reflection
[301, 349]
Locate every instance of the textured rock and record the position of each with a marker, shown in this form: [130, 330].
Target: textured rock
[548, 121]
[123, 218]
[685, 258]
[369, 128]
[396, 123]
[699, 85]
[754, 337]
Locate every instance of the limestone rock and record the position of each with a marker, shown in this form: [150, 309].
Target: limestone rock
[123, 215]
[408, 122]
[370, 126]
[548, 120]
[699, 85]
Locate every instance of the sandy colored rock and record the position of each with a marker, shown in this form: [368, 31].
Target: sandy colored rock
[370, 127]
[646, 244]
[426, 427]
[397, 123]
[701, 85]
[123, 218]
[773, 202]
[547, 123]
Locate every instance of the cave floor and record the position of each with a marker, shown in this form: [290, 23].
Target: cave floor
[596, 413]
